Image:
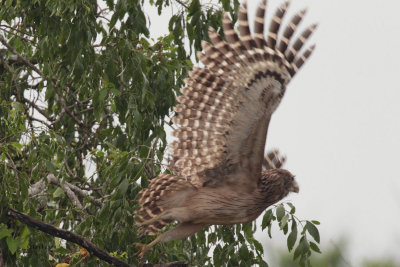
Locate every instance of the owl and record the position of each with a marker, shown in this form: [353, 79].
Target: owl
[219, 173]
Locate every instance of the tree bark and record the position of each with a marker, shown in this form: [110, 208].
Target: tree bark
[67, 235]
[170, 264]
[79, 240]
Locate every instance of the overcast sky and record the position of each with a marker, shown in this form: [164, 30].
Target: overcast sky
[339, 124]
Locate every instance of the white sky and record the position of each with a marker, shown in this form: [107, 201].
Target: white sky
[339, 124]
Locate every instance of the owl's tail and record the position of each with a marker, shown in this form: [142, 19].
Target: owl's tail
[160, 189]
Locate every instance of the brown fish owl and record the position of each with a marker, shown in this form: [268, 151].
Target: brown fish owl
[223, 117]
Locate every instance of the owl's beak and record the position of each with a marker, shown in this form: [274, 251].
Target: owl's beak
[295, 187]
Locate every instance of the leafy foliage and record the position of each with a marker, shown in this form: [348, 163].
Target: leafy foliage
[84, 95]
[284, 218]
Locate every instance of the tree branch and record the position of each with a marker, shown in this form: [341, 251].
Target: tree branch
[170, 264]
[27, 62]
[182, 4]
[67, 235]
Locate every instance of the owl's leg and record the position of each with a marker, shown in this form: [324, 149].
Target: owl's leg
[181, 231]
[152, 220]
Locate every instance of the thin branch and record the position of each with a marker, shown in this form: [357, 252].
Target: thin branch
[41, 111]
[67, 235]
[37, 188]
[15, 29]
[182, 4]
[22, 37]
[20, 57]
[71, 195]
[65, 107]
[84, 194]
[59, 118]
[38, 71]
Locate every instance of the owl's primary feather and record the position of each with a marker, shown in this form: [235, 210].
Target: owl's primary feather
[223, 117]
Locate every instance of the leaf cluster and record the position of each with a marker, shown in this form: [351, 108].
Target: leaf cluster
[290, 224]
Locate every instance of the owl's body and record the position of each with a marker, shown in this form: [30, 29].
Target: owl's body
[223, 118]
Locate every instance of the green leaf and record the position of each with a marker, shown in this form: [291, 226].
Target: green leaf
[17, 146]
[315, 247]
[23, 243]
[258, 246]
[25, 232]
[292, 208]
[8, 3]
[292, 237]
[5, 232]
[248, 232]
[284, 221]
[267, 219]
[18, 107]
[315, 222]
[50, 166]
[313, 231]
[302, 248]
[58, 193]
[280, 212]
[102, 95]
[12, 244]
[269, 231]
[123, 187]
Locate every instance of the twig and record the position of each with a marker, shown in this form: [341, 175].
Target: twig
[36, 188]
[71, 195]
[38, 71]
[182, 4]
[83, 194]
[22, 37]
[27, 62]
[15, 29]
[67, 235]
[33, 104]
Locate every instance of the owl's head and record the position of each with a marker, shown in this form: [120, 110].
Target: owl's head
[276, 184]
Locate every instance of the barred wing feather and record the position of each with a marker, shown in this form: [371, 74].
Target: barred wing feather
[226, 106]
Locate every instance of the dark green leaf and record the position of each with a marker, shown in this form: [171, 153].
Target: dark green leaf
[283, 222]
[5, 232]
[292, 237]
[292, 208]
[123, 187]
[258, 246]
[267, 219]
[315, 247]
[302, 248]
[313, 231]
[280, 212]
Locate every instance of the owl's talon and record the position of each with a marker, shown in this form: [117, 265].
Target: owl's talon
[143, 248]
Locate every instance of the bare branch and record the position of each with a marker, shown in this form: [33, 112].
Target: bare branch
[83, 194]
[36, 188]
[67, 235]
[33, 104]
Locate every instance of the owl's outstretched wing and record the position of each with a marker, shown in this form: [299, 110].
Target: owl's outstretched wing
[225, 109]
